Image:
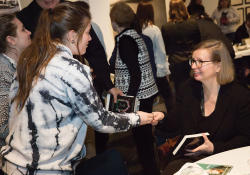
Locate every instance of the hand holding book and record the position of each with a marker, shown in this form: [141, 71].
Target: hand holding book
[206, 148]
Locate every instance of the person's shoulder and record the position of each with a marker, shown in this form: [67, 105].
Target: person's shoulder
[26, 11]
[188, 85]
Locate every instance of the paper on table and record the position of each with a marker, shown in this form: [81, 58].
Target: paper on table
[186, 165]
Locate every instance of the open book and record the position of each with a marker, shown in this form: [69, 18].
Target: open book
[124, 104]
[213, 169]
[189, 142]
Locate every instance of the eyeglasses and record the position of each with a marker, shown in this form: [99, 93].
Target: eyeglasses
[198, 63]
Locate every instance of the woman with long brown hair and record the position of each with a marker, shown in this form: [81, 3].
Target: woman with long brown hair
[179, 42]
[14, 40]
[53, 99]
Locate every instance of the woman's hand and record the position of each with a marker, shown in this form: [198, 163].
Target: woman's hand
[158, 116]
[114, 91]
[206, 148]
[146, 118]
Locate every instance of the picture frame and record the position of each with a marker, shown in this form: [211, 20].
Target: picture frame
[10, 6]
[242, 16]
[237, 2]
[247, 10]
[247, 1]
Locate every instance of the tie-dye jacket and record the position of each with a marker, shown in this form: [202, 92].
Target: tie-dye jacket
[47, 136]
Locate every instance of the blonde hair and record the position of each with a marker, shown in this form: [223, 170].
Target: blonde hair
[219, 53]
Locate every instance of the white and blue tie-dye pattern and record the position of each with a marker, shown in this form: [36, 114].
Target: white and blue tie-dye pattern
[48, 134]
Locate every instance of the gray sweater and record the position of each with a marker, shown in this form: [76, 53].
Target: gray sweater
[7, 70]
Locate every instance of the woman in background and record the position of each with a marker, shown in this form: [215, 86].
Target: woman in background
[179, 42]
[209, 102]
[227, 18]
[54, 100]
[195, 6]
[14, 40]
[134, 76]
[145, 14]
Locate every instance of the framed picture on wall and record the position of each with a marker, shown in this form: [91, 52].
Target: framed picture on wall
[237, 2]
[247, 1]
[242, 16]
[10, 6]
[247, 10]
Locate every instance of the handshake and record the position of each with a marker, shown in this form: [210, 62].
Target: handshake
[150, 118]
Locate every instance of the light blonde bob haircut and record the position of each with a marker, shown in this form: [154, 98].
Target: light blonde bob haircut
[219, 53]
[122, 14]
[178, 11]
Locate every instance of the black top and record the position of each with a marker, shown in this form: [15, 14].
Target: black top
[241, 33]
[95, 53]
[178, 42]
[230, 126]
[209, 30]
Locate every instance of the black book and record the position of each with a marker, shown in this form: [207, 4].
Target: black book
[188, 142]
[124, 104]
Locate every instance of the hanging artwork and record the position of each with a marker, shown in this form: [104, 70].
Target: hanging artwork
[9, 6]
[242, 16]
[247, 1]
[236, 2]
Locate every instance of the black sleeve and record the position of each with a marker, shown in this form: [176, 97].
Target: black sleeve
[112, 60]
[97, 59]
[165, 39]
[128, 50]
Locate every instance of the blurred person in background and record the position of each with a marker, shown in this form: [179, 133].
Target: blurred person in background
[145, 13]
[227, 18]
[179, 42]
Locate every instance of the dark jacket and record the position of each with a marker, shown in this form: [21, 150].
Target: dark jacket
[178, 42]
[230, 130]
[95, 53]
[241, 33]
[209, 30]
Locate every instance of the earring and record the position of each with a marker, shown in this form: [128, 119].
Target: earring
[73, 42]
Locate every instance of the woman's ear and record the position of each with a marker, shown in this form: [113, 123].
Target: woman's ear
[218, 67]
[114, 26]
[72, 36]
[11, 40]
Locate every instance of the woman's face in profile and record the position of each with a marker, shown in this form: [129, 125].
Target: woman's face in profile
[204, 69]
[22, 38]
[85, 40]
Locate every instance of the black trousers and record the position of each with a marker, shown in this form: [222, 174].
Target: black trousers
[101, 139]
[165, 91]
[144, 140]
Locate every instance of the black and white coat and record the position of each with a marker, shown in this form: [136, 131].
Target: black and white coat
[48, 135]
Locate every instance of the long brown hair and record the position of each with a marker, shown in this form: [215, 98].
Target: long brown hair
[178, 11]
[7, 28]
[53, 27]
[145, 13]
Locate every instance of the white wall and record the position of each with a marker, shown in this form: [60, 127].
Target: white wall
[100, 15]
[24, 3]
